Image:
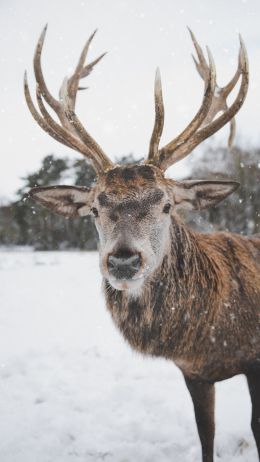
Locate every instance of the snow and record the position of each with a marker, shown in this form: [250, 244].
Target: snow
[73, 391]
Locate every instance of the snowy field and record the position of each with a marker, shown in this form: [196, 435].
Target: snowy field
[73, 391]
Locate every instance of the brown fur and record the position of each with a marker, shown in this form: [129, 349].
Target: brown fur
[200, 308]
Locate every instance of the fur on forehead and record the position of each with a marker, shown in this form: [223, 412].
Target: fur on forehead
[131, 182]
[123, 179]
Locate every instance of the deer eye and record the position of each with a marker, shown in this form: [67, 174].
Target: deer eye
[166, 208]
[94, 212]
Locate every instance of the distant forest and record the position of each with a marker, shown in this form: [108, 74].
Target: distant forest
[24, 223]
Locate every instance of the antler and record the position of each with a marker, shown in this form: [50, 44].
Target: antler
[159, 118]
[219, 102]
[203, 124]
[70, 131]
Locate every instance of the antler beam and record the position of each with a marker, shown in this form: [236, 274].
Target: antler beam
[70, 131]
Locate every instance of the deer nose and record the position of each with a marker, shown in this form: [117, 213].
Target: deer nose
[124, 264]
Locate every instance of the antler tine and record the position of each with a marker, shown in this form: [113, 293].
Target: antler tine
[42, 87]
[231, 85]
[217, 124]
[232, 132]
[159, 119]
[89, 67]
[81, 71]
[202, 65]
[70, 132]
[39, 74]
[166, 153]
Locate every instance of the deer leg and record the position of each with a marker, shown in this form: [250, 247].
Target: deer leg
[203, 397]
[253, 379]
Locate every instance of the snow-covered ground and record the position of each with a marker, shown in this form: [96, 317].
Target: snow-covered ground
[71, 390]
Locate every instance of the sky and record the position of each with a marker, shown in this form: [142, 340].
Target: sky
[118, 107]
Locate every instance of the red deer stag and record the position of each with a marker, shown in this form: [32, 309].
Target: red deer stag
[189, 297]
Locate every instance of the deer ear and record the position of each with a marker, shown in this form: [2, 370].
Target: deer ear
[199, 195]
[70, 201]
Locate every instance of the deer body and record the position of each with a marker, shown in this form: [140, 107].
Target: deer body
[200, 308]
[188, 297]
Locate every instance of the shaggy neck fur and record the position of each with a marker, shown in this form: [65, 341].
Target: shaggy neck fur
[190, 309]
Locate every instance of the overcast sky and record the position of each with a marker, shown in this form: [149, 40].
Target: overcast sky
[118, 107]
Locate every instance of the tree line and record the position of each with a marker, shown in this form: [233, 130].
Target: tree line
[25, 223]
[240, 212]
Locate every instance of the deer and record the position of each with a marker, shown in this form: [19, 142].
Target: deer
[189, 297]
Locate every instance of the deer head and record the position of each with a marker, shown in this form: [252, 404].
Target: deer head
[134, 205]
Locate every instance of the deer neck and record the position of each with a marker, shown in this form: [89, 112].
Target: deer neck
[175, 298]
[191, 273]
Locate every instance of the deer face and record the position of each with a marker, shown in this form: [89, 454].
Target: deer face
[133, 208]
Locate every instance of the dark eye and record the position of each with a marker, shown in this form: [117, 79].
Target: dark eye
[94, 211]
[166, 208]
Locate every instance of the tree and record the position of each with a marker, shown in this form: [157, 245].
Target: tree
[35, 226]
[240, 211]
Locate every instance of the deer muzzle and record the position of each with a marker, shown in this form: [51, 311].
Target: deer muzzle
[125, 264]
